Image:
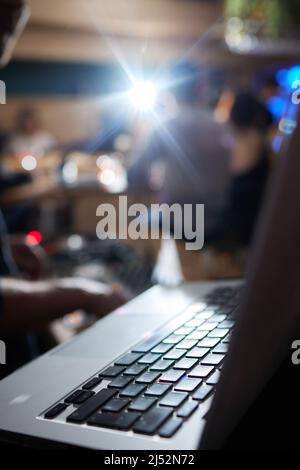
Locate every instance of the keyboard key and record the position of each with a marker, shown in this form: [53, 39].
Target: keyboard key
[55, 411]
[183, 331]
[197, 335]
[173, 399]
[85, 395]
[213, 359]
[107, 420]
[222, 348]
[156, 338]
[211, 297]
[127, 419]
[170, 427]
[219, 302]
[122, 421]
[148, 344]
[196, 308]
[185, 363]
[194, 323]
[188, 384]
[187, 344]
[136, 369]
[201, 371]
[128, 359]
[227, 324]
[149, 358]
[115, 405]
[203, 392]
[173, 339]
[187, 409]
[208, 342]
[112, 371]
[162, 365]
[90, 406]
[226, 311]
[227, 339]
[205, 314]
[92, 383]
[157, 390]
[172, 375]
[73, 396]
[174, 354]
[218, 333]
[217, 317]
[120, 382]
[197, 352]
[211, 306]
[142, 404]
[214, 378]
[161, 348]
[132, 391]
[152, 420]
[233, 304]
[207, 326]
[148, 377]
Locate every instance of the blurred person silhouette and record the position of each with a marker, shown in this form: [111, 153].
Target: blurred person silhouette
[268, 95]
[10, 179]
[268, 90]
[194, 150]
[28, 303]
[250, 165]
[224, 105]
[29, 137]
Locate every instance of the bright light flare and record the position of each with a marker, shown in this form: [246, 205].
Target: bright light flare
[143, 96]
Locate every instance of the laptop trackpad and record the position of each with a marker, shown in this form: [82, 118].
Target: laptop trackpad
[111, 336]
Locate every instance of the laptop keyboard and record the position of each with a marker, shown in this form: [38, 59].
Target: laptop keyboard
[160, 383]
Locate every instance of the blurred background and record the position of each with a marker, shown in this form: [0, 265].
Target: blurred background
[123, 97]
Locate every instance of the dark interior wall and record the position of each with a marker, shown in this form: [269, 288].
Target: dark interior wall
[37, 78]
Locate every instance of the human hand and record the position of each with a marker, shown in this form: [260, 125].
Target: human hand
[30, 260]
[101, 299]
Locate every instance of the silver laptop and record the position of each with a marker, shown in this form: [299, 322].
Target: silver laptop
[150, 375]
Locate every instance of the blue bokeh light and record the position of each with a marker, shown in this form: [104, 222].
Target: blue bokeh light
[287, 77]
[276, 105]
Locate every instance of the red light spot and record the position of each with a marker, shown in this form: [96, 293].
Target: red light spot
[33, 238]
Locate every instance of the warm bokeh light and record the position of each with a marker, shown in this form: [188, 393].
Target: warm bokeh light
[102, 160]
[107, 177]
[29, 163]
[70, 172]
[75, 242]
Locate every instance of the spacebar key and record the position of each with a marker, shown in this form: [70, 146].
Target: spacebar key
[89, 407]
